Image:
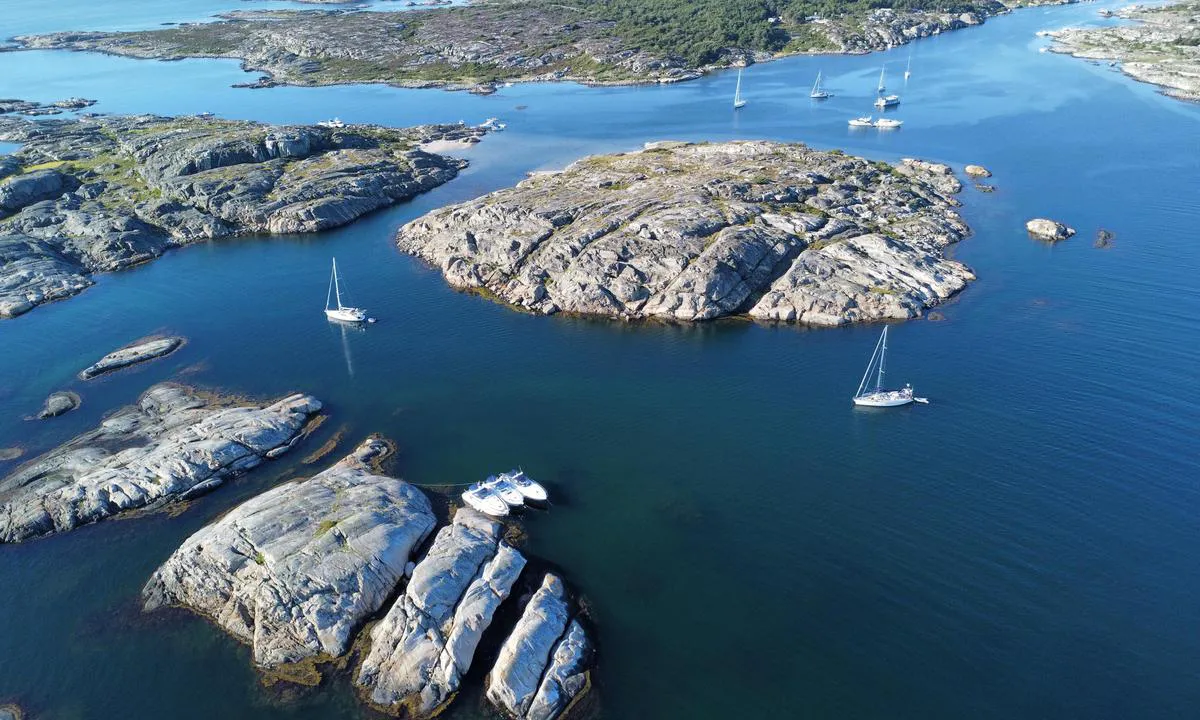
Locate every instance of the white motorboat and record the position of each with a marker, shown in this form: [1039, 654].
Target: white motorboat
[341, 312]
[817, 93]
[738, 100]
[862, 122]
[530, 489]
[493, 124]
[485, 500]
[877, 396]
[888, 123]
[888, 101]
[505, 489]
[335, 123]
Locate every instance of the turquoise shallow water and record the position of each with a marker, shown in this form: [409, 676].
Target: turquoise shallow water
[749, 544]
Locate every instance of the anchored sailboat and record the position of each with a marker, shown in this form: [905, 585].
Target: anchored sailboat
[877, 396]
[341, 312]
[817, 93]
[908, 70]
[881, 87]
[738, 100]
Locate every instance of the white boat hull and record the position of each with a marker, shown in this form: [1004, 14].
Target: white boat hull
[354, 315]
[530, 489]
[488, 504]
[739, 104]
[884, 399]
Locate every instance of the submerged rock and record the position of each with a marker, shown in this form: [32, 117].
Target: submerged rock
[11, 453]
[294, 571]
[57, 404]
[173, 444]
[692, 232]
[1050, 230]
[131, 355]
[425, 644]
[542, 666]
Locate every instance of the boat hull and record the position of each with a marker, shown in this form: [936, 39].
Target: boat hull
[883, 400]
[353, 315]
[489, 505]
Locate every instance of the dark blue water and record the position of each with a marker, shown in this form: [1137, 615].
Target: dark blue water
[750, 545]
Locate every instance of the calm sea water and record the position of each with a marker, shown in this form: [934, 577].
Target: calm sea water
[750, 545]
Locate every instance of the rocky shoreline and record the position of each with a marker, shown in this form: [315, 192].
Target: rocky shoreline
[174, 444]
[100, 194]
[481, 45]
[1161, 48]
[691, 232]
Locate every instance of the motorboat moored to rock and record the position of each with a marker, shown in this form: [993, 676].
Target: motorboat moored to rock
[531, 490]
[485, 500]
[862, 122]
[505, 489]
[335, 124]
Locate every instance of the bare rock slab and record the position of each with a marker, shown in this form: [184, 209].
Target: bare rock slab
[1049, 230]
[295, 571]
[542, 666]
[691, 232]
[424, 645]
[58, 403]
[174, 443]
[132, 355]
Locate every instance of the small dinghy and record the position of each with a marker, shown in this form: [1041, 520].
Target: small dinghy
[505, 489]
[529, 489]
[485, 500]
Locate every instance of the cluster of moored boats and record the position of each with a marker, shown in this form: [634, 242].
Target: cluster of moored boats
[497, 495]
[882, 102]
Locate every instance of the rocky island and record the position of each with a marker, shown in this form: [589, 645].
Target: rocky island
[698, 231]
[484, 43]
[175, 443]
[138, 352]
[294, 571]
[1162, 47]
[99, 194]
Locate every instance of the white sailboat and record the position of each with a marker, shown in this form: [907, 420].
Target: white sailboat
[341, 312]
[908, 70]
[877, 396]
[817, 93]
[738, 100]
[881, 87]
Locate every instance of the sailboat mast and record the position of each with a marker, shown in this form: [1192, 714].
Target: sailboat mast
[329, 292]
[737, 92]
[881, 71]
[337, 290]
[882, 358]
[870, 366]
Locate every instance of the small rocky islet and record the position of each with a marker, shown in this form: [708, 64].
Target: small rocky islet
[98, 194]
[689, 232]
[1162, 47]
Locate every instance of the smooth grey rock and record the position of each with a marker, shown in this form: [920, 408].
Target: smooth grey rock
[131, 355]
[58, 403]
[172, 441]
[425, 644]
[294, 571]
[19, 191]
[693, 232]
[32, 272]
[541, 664]
[978, 171]
[1050, 230]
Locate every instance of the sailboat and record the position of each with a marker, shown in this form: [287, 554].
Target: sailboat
[341, 312]
[817, 93]
[908, 70]
[738, 100]
[877, 396]
[881, 87]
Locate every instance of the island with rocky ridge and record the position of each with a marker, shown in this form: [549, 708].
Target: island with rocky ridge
[679, 231]
[485, 43]
[97, 194]
[176, 443]
[1161, 47]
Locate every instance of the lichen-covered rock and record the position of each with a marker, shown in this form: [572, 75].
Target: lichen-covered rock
[1049, 230]
[58, 403]
[543, 663]
[425, 644]
[110, 192]
[132, 355]
[294, 571]
[174, 443]
[694, 232]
